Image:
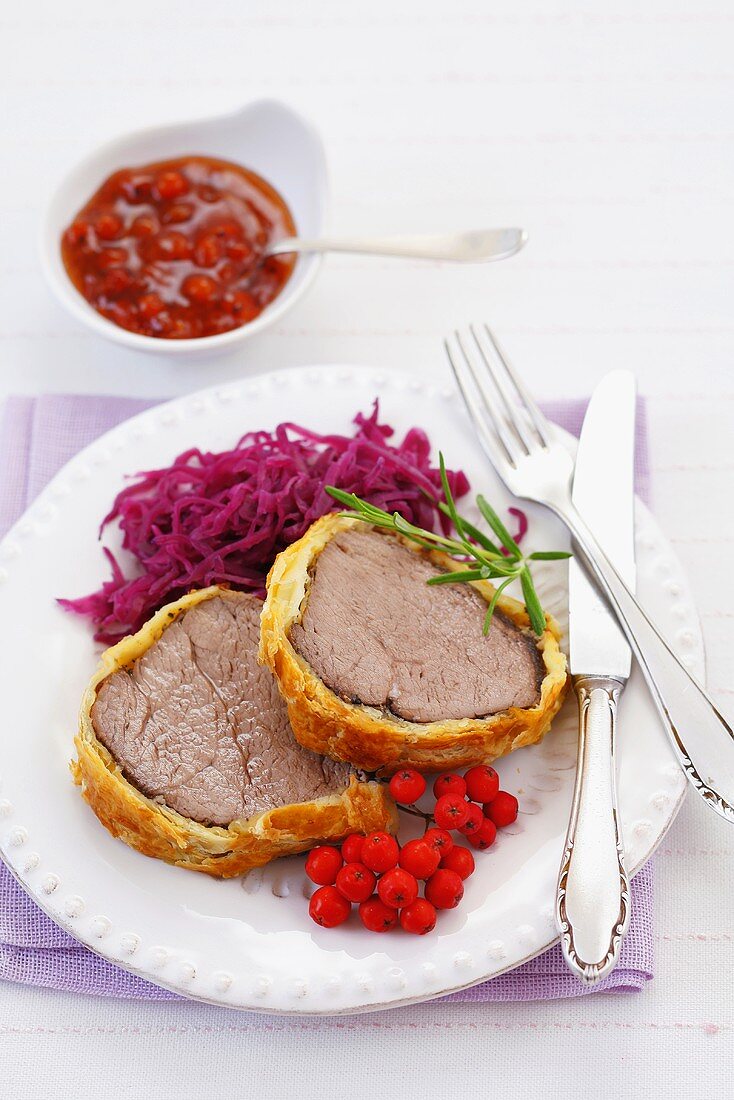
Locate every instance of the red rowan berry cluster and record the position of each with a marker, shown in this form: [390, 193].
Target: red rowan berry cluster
[384, 878]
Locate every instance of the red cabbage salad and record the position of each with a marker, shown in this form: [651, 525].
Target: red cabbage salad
[222, 517]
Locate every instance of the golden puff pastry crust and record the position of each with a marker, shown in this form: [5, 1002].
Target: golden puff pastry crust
[156, 830]
[373, 738]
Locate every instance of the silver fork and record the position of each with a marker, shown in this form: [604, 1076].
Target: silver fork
[534, 465]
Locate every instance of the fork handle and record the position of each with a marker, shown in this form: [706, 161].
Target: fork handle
[593, 901]
[701, 738]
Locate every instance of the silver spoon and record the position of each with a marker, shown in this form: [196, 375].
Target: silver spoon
[474, 246]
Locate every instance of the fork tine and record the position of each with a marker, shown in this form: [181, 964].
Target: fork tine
[487, 396]
[492, 441]
[536, 416]
[487, 401]
[515, 419]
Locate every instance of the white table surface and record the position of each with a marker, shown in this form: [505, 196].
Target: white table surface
[606, 130]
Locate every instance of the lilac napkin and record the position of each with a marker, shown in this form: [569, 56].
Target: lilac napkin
[37, 436]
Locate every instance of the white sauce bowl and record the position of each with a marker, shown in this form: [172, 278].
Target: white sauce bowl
[265, 136]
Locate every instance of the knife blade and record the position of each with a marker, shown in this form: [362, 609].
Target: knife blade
[603, 492]
[592, 902]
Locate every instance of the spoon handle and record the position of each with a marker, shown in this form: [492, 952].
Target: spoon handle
[474, 246]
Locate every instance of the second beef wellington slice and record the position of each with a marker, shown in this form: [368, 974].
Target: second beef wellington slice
[185, 751]
[380, 669]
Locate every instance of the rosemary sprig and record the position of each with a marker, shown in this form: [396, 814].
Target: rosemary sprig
[477, 557]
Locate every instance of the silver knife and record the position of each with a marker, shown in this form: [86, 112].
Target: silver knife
[593, 902]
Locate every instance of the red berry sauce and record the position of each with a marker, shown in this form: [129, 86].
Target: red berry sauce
[175, 249]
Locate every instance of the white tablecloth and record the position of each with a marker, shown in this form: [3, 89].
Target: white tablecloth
[607, 131]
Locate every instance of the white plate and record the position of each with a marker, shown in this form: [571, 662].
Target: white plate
[249, 943]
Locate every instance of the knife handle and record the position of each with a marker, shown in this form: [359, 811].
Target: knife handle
[700, 736]
[593, 900]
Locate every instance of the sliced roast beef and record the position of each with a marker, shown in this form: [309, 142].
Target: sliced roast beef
[198, 724]
[377, 634]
